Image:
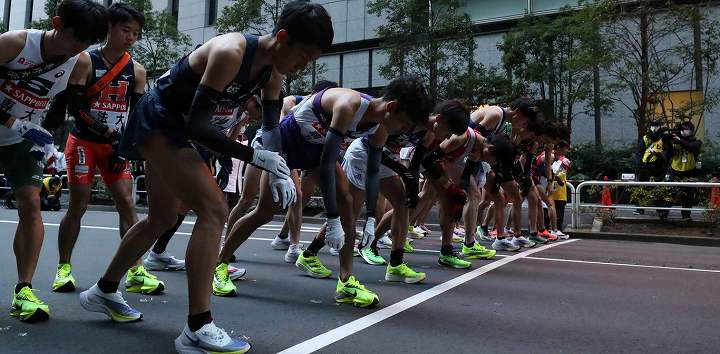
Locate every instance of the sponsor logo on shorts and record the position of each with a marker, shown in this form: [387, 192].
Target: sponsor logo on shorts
[82, 169]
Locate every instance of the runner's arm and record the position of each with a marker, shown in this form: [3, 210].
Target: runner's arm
[342, 115]
[271, 113]
[140, 83]
[12, 44]
[372, 181]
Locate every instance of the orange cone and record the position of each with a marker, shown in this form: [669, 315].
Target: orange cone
[606, 198]
[715, 195]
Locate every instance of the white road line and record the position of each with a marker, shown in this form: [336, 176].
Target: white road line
[623, 264]
[362, 323]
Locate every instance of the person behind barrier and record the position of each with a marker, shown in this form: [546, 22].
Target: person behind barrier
[684, 153]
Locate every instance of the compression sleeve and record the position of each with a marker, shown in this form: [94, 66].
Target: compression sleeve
[330, 154]
[199, 128]
[430, 162]
[270, 131]
[417, 158]
[372, 182]
[134, 99]
[56, 112]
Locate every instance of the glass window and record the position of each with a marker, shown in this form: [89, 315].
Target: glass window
[355, 69]
[483, 10]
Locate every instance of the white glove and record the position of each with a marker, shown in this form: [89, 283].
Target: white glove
[283, 190]
[45, 154]
[32, 132]
[368, 232]
[334, 235]
[272, 162]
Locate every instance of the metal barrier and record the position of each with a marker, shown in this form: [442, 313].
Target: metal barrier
[577, 203]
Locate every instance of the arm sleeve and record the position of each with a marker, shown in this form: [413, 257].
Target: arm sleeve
[56, 112]
[430, 162]
[471, 169]
[393, 165]
[78, 106]
[372, 181]
[270, 120]
[134, 99]
[417, 158]
[330, 154]
[199, 128]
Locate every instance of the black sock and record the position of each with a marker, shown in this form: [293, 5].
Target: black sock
[485, 229]
[469, 245]
[196, 322]
[107, 287]
[446, 250]
[315, 246]
[396, 257]
[162, 242]
[281, 236]
[533, 234]
[19, 286]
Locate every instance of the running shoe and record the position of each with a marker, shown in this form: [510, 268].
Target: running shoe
[64, 280]
[351, 291]
[425, 228]
[209, 339]
[280, 243]
[293, 253]
[236, 273]
[312, 266]
[162, 261]
[407, 247]
[356, 250]
[454, 261]
[482, 236]
[415, 232]
[477, 251]
[546, 234]
[222, 284]
[385, 241]
[459, 232]
[334, 251]
[371, 256]
[561, 235]
[457, 238]
[504, 244]
[522, 242]
[111, 304]
[138, 280]
[28, 308]
[538, 239]
[403, 273]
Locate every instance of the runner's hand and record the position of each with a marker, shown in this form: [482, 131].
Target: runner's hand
[32, 132]
[283, 190]
[116, 163]
[46, 154]
[272, 162]
[368, 232]
[334, 235]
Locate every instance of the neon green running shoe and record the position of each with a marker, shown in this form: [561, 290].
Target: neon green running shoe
[64, 280]
[353, 292]
[371, 257]
[454, 261]
[28, 307]
[404, 274]
[477, 251]
[222, 284]
[458, 238]
[312, 266]
[408, 248]
[138, 280]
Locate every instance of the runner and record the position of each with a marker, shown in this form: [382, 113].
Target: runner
[34, 67]
[310, 139]
[223, 72]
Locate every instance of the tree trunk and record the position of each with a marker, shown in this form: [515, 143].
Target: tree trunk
[697, 51]
[645, 76]
[596, 105]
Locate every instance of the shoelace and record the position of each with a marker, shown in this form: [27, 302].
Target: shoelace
[141, 271]
[216, 334]
[222, 274]
[28, 295]
[64, 272]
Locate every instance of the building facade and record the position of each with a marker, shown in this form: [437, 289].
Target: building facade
[356, 54]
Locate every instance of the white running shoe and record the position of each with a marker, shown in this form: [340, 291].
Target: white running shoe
[522, 242]
[162, 261]
[561, 235]
[385, 242]
[416, 232]
[280, 243]
[504, 244]
[293, 253]
[111, 304]
[334, 251]
[459, 232]
[209, 339]
[236, 273]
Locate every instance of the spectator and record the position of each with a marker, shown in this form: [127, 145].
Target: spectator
[653, 165]
[560, 167]
[684, 153]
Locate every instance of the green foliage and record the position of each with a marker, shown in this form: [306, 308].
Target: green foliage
[50, 11]
[161, 44]
[590, 161]
[254, 16]
[654, 196]
[710, 157]
[434, 44]
[483, 86]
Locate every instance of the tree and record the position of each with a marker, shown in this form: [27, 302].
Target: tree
[161, 44]
[483, 85]
[259, 17]
[429, 39]
[50, 9]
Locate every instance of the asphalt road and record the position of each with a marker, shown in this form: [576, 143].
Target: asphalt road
[582, 296]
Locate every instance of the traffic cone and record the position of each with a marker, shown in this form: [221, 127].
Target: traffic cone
[715, 195]
[606, 198]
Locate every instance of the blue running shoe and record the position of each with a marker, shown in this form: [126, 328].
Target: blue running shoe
[112, 305]
[209, 339]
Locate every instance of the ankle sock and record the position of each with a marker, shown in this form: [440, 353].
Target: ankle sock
[19, 286]
[196, 322]
[108, 287]
[396, 257]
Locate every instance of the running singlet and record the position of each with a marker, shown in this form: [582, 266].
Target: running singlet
[28, 99]
[458, 155]
[176, 88]
[109, 106]
[500, 127]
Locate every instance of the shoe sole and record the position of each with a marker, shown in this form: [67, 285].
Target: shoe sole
[400, 278]
[371, 263]
[486, 257]
[94, 307]
[280, 247]
[37, 316]
[161, 266]
[155, 291]
[291, 260]
[182, 348]
[452, 265]
[230, 294]
[506, 249]
[311, 273]
[349, 299]
[237, 275]
[65, 288]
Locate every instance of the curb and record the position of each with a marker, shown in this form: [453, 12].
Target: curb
[682, 240]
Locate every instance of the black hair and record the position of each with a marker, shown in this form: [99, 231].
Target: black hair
[504, 149]
[455, 114]
[688, 125]
[412, 97]
[121, 12]
[526, 107]
[307, 23]
[324, 84]
[87, 19]
[562, 144]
